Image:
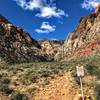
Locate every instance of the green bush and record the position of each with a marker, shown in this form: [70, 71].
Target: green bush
[97, 90]
[33, 78]
[45, 73]
[92, 69]
[5, 80]
[5, 89]
[4, 85]
[18, 96]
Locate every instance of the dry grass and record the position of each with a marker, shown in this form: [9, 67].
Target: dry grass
[26, 78]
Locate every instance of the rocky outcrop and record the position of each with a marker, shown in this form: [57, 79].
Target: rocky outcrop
[86, 33]
[97, 9]
[51, 47]
[3, 20]
[17, 46]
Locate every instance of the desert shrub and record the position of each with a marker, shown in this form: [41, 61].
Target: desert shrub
[5, 80]
[82, 59]
[33, 77]
[45, 73]
[92, 69]
[97, 90]
[0, 76]
[4, 85]
[5, 88]
[55, 71]
[46, 81]
[32, 89]
[18, 96]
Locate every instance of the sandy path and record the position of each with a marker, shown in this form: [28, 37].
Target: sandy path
[2, 97]
[60, 88]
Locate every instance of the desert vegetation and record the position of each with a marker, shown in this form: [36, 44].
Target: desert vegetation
[20, 81]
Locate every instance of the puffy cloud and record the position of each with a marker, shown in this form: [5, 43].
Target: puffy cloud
[31, 5]
[47, 8]
[51, 12]
[90, 4]
[46, 28]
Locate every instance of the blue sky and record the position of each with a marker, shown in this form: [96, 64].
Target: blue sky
[52, 19]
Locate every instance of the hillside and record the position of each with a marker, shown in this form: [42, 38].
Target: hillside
[86, 37]
[17, 46]
[50, 80]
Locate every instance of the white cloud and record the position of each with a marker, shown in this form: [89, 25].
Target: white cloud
[21, 2]
[90, 4]
[31, 5]
[47, 10]
[54, 39]
[46, 28]
[51, 12]
[34, 4]
[41, 31]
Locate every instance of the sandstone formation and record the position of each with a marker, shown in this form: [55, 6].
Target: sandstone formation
[97, 9]
[86, 36]
[17, 46]
[51, 47]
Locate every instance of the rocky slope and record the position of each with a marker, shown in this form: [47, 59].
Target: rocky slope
[86, 36]
[51, 47]
[17, 46]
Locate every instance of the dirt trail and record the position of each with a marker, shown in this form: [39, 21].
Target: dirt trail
[60, 88]
[3, 97]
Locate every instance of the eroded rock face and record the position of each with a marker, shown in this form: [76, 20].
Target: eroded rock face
[3, 20]
[51, 47]
[97, 9]
[86, 32]
[17, 46]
